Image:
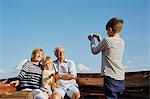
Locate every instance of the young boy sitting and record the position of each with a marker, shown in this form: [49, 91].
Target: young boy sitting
[47, 79]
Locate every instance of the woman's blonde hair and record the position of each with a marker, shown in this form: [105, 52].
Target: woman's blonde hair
[35, 51]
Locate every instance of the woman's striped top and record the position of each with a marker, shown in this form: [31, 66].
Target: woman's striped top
[30, 76]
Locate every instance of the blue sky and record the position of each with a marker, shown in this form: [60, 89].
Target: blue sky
[28, 24]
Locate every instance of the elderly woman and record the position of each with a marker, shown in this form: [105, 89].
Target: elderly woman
[30, 77]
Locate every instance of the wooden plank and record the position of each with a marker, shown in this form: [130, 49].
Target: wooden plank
[137, 79]
[18, 95]
[90, 81]
[5, 88]
[137, 85]
[92, 94]
[132, 79]
[91, 85]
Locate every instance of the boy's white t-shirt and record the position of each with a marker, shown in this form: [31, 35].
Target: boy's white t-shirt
[112, 49]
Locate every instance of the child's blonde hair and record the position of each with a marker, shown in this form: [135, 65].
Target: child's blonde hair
[47, 58]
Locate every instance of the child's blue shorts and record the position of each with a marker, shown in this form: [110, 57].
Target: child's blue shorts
[113, 88]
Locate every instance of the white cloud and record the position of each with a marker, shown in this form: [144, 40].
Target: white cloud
[83, 68]
[1, 71]
[8, 73]
[133, 66]
[19, 66]
[129, 62]
[4, 71]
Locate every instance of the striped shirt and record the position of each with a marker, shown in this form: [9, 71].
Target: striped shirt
[30, 76]
[112, 49]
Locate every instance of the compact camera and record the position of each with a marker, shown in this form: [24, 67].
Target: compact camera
[97, 36]
[93, 35]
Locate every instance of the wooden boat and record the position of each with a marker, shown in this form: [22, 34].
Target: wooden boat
[137, 85]
[91, 86]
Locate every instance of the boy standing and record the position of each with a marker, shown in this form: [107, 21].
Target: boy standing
[112, 49]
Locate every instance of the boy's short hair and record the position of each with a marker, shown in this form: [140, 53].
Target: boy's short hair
[115, 24]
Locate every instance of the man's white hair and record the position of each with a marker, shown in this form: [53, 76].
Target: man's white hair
[58, 47]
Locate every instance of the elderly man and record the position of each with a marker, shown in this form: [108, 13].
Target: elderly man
[66, 76]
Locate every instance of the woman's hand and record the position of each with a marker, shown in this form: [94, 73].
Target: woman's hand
[14, 83]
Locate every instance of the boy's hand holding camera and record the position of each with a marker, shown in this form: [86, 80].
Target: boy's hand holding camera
[92, 36]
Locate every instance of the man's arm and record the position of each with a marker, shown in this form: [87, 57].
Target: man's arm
[67, 76]
[71, 72]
